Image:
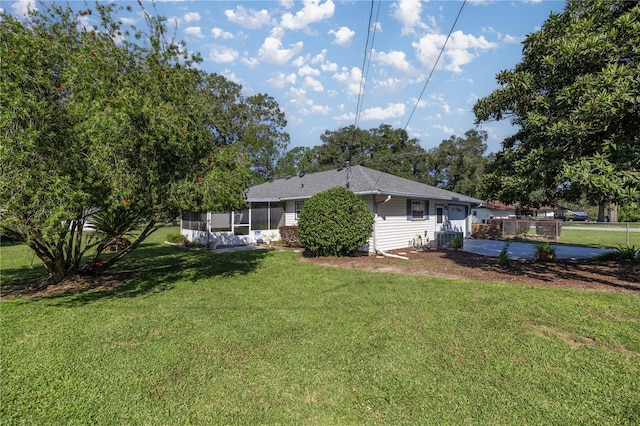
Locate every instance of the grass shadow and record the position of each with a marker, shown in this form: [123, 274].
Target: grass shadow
[152, 268]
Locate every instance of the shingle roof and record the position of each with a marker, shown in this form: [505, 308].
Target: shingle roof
[361, 180]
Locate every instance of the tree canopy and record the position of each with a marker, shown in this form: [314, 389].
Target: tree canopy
[575, 98]
[458, 163]
[106, 119]
[383, 148]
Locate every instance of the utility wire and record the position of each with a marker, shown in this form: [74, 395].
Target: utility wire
[435, 64]
[366, 63]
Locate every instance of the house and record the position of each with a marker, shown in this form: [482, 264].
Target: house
[493, 210]
[498, 210]
[404, 209]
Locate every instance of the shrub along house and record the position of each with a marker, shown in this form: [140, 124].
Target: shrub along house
[406, 212]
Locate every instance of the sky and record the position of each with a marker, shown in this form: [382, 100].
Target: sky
[330, 64]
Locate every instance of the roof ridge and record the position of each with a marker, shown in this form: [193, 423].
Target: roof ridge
[364, 171]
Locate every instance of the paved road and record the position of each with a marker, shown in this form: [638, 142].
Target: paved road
[528, 250]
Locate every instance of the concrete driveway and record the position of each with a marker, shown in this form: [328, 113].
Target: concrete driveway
[528, 250]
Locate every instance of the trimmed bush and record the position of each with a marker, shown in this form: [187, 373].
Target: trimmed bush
[335, 222]
[176, 238]
[290, 236]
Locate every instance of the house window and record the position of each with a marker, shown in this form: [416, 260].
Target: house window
[299, 205]
[439, 215]
[417, 209]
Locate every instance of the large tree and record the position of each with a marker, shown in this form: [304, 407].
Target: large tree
[575, 99]
[458, 163]
[99, 120]
[383, 148]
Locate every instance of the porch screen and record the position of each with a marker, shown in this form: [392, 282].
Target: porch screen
[220, 221]
[267, 216]
[194, 221]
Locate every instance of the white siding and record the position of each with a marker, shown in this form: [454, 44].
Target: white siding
[394, 230]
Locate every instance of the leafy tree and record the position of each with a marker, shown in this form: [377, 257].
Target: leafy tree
[103, 119]
[298, 160]
[383, 148]
[458, 164]
[575, 98]
[335, 222]
[255, 122]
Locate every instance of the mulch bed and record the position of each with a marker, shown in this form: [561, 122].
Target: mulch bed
[580, 274]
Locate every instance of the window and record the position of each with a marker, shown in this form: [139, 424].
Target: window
[299, 205]
[439, 214]
[417, 209]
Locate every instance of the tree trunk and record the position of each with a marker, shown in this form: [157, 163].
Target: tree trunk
[601, 207]
[613, 212]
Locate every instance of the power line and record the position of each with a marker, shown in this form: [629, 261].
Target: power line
[435, 64]
[366, 63]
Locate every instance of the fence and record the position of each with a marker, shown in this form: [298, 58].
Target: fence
[627, 233]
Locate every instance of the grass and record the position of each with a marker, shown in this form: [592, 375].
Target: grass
[261, 338]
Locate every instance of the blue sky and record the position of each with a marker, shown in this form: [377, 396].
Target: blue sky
[309, 55]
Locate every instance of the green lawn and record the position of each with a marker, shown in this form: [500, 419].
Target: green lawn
[262, 338]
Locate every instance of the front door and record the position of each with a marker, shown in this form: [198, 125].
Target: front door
[458, 217]
[452, 217]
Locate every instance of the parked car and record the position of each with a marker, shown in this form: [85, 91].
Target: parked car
[579, 216]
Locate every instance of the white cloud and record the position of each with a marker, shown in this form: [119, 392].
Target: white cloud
[460, 50]
[321, 58]
[395, 59]
[313, 84]
[222, 54]
[230, 75]
[220, 33]
[445, 129]
[408, 12]
[391, 84]
[191, 17]
[280, 80]
[22, 7]
[350, 79]
[343, 36]
[377, 113]
[321, 109]
[248, 18]
[194, 31]
[511, 39]
[420, 103]
[312, 11]
[128, 21]
[308, 70]
[272, 51]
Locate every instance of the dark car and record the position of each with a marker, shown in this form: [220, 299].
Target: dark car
[579, 216]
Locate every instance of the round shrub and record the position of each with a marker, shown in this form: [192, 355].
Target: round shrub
[335, 222]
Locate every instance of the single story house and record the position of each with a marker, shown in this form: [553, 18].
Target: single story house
[498, 210]
[493, 210]
[404, 210]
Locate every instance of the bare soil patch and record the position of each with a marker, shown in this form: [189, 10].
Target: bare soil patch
[579, 274]
[71, 285]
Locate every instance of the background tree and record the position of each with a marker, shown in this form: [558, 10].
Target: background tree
[384, 148]
[575, 98]
[298, 160]
[458, 164]
[255, 122]
[99, 119]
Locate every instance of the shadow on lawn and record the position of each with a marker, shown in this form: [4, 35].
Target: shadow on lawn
[148, 269]
[615, 275]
